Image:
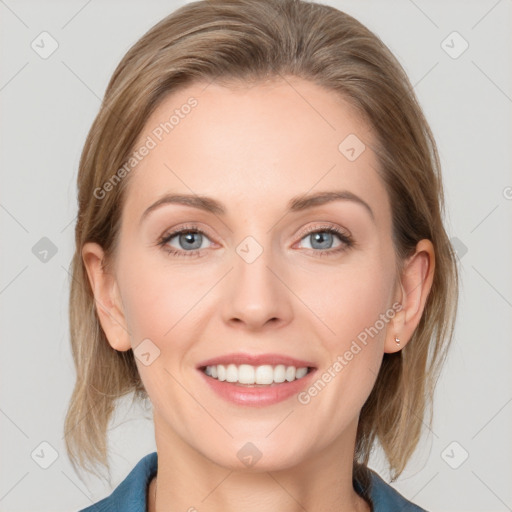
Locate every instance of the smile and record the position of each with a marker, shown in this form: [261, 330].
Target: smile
[265, 375]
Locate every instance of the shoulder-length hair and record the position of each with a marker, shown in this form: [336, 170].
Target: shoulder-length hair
[239, 41]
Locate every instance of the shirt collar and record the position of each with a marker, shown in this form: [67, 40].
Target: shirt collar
[131, 494]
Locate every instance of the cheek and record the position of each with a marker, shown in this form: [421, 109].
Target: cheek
[159, 305]
[351, 301]
[154, 298]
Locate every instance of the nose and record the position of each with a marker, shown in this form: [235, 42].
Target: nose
[257, 295]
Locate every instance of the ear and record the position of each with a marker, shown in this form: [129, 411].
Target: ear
[415, 284]
[106, 297]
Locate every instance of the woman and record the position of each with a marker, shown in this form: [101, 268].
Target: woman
[260, 251]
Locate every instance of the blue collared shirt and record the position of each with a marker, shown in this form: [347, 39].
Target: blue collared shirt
[130, 495]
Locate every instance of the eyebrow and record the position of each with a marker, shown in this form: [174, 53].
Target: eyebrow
[296, 204]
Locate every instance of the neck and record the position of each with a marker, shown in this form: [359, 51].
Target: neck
[186, 480]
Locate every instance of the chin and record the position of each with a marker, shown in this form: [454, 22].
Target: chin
[256, 457]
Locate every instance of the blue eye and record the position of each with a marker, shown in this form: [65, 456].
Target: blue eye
[190, 240]
[318, 236]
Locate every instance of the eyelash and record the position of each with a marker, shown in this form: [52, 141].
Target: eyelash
[346, 239]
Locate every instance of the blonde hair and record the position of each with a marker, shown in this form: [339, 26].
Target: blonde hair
[231, 41]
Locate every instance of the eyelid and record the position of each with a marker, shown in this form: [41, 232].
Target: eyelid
[317, 227]
[343, 234]
[177, 230]
[301, 234]
[187, 226]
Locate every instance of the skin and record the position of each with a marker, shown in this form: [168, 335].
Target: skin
[253, 148]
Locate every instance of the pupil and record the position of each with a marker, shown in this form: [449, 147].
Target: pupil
[322, 236]
[189, 237]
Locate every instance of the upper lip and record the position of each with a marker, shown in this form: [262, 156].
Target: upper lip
[256, 360]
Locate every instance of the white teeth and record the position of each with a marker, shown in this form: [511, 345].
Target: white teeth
[301, 372]
[221, 372]
[264, 374]
[231, 373]
[247, 374]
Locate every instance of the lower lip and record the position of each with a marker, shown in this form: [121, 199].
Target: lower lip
[257, 396]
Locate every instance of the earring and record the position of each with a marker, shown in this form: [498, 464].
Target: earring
[397, 340]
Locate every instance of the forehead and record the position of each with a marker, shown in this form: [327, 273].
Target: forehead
[254, 144]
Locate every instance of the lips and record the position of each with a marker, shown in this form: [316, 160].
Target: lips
[256, 360]
[256, 395]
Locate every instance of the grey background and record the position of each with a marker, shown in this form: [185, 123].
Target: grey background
[47, 108]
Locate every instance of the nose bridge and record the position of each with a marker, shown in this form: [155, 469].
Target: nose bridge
[252, 268]
[258, 295]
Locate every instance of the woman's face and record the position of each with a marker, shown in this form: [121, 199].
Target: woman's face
[265, 276]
